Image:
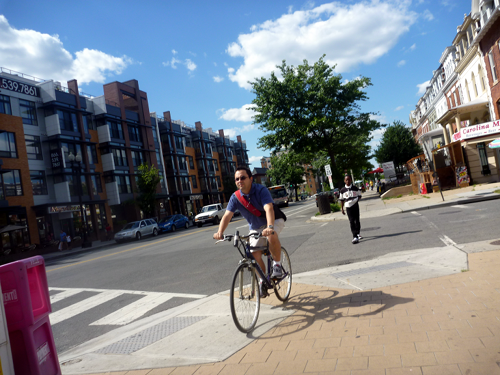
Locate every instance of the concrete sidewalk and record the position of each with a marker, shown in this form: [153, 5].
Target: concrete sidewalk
[427, 311]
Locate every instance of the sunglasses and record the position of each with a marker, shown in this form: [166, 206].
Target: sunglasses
[242, 178]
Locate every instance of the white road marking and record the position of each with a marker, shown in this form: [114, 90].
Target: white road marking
[134, 310]
[323, 225]
[460, 206]
[122, 316]
[447, 240]
[415, 213]
[83, 306]
[64, 294]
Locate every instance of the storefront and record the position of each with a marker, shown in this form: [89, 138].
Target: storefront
[483, 162]
[14, 233]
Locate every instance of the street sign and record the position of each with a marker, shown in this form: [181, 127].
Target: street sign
[328, 170]
[331, 182]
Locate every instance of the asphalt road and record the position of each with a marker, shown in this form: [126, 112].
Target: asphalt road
[188, 264]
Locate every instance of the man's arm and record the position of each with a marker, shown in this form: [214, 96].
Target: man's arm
[269, 209]
[226, 219]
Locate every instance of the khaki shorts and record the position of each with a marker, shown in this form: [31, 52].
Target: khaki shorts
[258, 244]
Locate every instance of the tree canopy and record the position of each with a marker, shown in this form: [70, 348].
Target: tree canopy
[397, 145]
[310, 109]
[287, 169]
[147, 182]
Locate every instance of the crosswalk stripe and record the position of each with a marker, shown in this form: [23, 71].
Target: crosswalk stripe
[83, 306]
[134, 310]
[65, 294]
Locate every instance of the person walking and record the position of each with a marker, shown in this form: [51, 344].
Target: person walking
[109, 235]
[62, 240]
[349, 197]
[371, 184]
[68, 241]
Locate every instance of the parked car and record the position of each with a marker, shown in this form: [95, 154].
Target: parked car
[137, 229]
[173, 222]
[210, 214]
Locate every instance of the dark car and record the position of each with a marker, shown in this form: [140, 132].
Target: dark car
[173, 222]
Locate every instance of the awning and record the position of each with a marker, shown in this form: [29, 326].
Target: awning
[471, 106]
[10, 228]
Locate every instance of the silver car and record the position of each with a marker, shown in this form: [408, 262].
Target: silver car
[137, 229]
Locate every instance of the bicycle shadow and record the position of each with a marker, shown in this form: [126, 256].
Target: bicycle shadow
[328, 306]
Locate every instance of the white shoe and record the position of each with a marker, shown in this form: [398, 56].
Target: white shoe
[359, 237]
[355, 240]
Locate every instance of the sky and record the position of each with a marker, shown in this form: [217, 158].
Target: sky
[195, 58]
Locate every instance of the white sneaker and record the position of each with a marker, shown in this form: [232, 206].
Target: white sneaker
[355, 240]
[359, 237]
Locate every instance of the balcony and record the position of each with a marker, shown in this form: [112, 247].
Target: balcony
[108, 163]
[103, 134]
[52, 125]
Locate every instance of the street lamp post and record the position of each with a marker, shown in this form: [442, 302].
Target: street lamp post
[78, 183]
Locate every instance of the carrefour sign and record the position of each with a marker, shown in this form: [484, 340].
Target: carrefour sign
[479, 130]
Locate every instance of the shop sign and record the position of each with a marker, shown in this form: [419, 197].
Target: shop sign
[479, 130]
[56, 158]
[59, 209]
[195, 197]
[389, 170]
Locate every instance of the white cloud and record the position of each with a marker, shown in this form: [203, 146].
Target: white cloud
[172, 63]
[43, 55]
[399, 108]
[380, 118]
[233, 132]
[174, 52]
[413, 46]
[255, 159]
[422, 87]
[218, 79]
[230, 71]
[243, 114]
[348, 34]
[215, 64]
[401, 63]
[190, 65]
[428, 15]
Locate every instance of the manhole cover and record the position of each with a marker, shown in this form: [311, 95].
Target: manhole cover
[495, 243]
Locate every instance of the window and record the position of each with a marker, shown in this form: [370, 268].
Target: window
[185, 183]
[92, 154]
[72, 148]
[194, 182]
[124, 186]
[67, 121]
[12, 183]
[134, 134]
[492, 66]
[182, 163]
[481, 78]
[191, 162]
[218, 181]
[483, 157]
[208, 148]
[467, 90]
[120, 157]
[5, 105]
[38, 182]
[216, 165]
[96, 184]
[158, 159]
[88, 124]
[8, 145]
[33, 147]
[115, 129]
[155, 135]
[28, 112]
[137, 158]
[179, 146]
[474, 86]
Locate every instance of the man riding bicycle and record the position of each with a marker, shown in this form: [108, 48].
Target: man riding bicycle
[259, 197]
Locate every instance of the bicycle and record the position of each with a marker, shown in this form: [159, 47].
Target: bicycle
[244, 296]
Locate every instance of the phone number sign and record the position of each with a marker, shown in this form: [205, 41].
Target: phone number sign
[22, 88]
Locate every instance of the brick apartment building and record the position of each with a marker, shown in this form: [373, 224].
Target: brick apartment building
[43, 125]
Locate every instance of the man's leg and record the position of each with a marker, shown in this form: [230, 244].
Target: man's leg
[352, 218]
[258, 257]
[355, 214]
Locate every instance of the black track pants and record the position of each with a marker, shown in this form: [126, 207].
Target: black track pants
[353, 215]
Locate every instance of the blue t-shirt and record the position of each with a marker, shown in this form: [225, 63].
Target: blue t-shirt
[258, 197]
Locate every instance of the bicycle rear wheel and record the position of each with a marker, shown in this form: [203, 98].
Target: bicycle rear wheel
[244, 298]
[283, 286]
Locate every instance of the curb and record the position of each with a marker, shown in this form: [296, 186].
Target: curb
[454, 203]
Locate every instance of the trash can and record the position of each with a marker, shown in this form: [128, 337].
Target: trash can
[324, 204]
[27, 307]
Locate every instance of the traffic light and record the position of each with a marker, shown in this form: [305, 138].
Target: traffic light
[291, 185]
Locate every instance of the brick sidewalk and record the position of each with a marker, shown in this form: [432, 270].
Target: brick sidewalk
[446, 325]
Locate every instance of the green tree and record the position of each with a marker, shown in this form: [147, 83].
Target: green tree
[310, 109]
[287, 169]
[147, 183]
[397, 145]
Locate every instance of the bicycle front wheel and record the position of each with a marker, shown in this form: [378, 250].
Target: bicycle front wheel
[244, 298]
[283, 286]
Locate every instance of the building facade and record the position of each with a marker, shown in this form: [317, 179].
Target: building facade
[69, 161]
